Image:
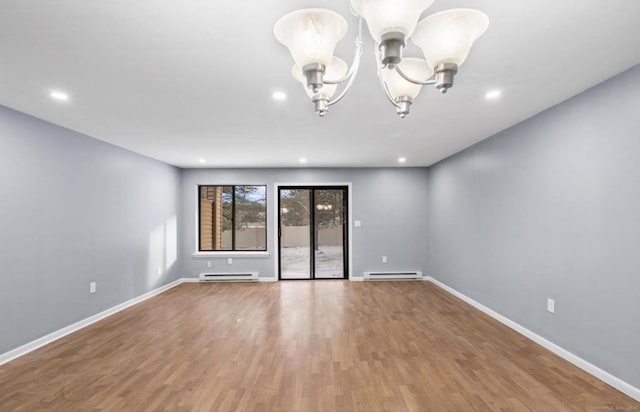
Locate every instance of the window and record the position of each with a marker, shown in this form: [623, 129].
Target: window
[232, 218]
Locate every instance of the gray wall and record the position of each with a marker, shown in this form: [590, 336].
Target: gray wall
[389, 202]
[75, 210]
[551, 208]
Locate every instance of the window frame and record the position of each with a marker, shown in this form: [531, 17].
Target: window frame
[233, 251]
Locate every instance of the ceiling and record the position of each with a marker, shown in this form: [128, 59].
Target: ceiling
[185, 80]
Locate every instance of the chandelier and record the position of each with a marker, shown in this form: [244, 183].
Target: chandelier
[445, 38]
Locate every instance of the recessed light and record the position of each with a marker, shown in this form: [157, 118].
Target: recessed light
[59, 95]
[279, 96]
[303, 160]
[202, 160]
[402, 159]
[493, 94]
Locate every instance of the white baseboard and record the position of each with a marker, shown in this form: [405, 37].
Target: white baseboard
[586, 366]
[190, 280]
[53, 336]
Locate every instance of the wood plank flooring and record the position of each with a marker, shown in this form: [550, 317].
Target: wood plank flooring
[300, 346]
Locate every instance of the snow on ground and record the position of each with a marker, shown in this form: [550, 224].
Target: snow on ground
[295, 262]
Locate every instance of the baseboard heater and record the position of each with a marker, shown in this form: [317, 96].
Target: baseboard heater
[408, 275]
[229, 277]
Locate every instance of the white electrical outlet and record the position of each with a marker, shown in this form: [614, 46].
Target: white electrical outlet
[208, 263]
[357, 223]
[229, 261]
[551, 305]
[159, 270]
[92, 287]
[384, 259]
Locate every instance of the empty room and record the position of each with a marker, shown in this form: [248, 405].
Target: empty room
[352, 205]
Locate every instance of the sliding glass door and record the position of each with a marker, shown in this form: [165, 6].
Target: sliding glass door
[312, 232]
[329, 232]
[295, 233]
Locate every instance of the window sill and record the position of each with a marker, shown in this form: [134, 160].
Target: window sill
[231, 254]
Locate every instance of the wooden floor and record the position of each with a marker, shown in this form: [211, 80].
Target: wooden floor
[304, 346]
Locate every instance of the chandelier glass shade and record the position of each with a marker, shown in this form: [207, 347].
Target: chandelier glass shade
[311, 34]
[389, 16]
[445, 38]
[398, 87]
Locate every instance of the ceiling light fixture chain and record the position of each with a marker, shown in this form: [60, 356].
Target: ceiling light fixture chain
[445, 39]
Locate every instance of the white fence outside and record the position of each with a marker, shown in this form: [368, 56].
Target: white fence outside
[292, 236]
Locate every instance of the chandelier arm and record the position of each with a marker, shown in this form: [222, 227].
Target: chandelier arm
[355, 66]
[387, 93]
[402, 74]
[349, 84]
[384, 86]
[356, 58]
